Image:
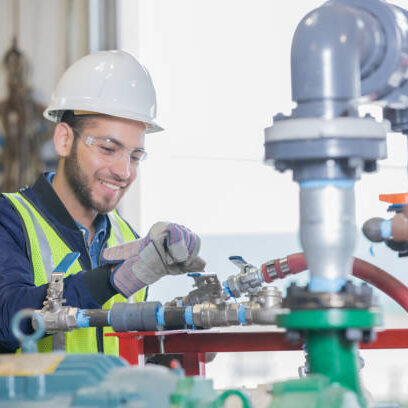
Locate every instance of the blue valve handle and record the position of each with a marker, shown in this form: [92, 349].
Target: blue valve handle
[238, 261]
[194, 274]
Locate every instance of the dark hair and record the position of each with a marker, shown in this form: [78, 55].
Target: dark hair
[77, 122]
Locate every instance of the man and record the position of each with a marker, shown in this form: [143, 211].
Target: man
[103, 106]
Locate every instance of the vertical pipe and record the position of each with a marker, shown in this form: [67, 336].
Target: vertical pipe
[330, 354]
[327, 231]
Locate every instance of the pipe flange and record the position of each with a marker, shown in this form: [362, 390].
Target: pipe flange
[318, 128]
[350, 297]
[339, 148]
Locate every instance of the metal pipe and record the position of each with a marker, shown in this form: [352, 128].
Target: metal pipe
[98, 317]
[327, 232]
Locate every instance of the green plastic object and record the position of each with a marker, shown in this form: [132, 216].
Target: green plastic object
[227, 394]
[195, 392]
[332, 358]
[315, 391]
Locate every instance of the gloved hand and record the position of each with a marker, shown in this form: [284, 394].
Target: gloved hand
[168, 249]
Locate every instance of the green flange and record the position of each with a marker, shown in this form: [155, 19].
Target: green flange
[329, 319]
[331, 347]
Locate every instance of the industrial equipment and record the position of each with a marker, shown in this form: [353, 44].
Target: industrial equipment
[96, 380]
[344, 52]
[340, 52]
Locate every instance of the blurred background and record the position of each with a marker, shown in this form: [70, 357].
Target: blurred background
[221, 71]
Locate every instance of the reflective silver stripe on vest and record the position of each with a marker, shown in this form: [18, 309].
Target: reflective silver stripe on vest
[116, 229]
[45, 248]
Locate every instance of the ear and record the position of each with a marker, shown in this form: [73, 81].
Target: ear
[63, 139]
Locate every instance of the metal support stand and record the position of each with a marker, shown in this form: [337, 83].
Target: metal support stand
[194, 364]
[133, 345]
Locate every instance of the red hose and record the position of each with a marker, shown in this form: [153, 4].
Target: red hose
[365, 271]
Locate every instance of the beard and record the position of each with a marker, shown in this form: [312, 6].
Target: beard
[80, 185]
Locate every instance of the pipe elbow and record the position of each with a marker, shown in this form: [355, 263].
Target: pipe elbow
[330, 48]
[347, 49]
[325, 42]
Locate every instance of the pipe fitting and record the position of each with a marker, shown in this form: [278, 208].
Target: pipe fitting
[328, 233]
[247, 281]
[264, 306]
[378, 229]
[134, 316]
[400, 227]
[332, 45]
[212, 315]
[347, 49]
[63, 319]
[372, 229]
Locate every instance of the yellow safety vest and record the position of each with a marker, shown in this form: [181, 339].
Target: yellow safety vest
[46, 249]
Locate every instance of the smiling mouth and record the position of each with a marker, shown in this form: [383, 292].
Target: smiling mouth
[111, 186]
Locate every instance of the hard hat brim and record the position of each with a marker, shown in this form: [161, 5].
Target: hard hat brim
[55, 116]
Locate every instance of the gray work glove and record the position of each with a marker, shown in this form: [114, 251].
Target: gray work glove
[168, 249]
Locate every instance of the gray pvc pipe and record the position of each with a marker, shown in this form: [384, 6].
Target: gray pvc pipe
[134, 316]
[332, 47]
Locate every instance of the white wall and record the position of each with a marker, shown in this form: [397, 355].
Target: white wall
[216, 94]
[222, 70]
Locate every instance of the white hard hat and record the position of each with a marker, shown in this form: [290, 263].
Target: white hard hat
[108, 82]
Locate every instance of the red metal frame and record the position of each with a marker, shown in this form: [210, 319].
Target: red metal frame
[194, 344]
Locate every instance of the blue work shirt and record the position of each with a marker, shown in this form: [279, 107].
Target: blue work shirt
[101, 226]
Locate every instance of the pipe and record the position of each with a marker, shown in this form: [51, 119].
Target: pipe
[347, 49]
[372, 274]
[377, 229]
[333, 46]
[327, 231]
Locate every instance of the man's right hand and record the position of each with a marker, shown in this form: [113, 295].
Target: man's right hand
[168, 249]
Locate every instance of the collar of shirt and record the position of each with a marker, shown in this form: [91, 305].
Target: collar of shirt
[100, 224]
